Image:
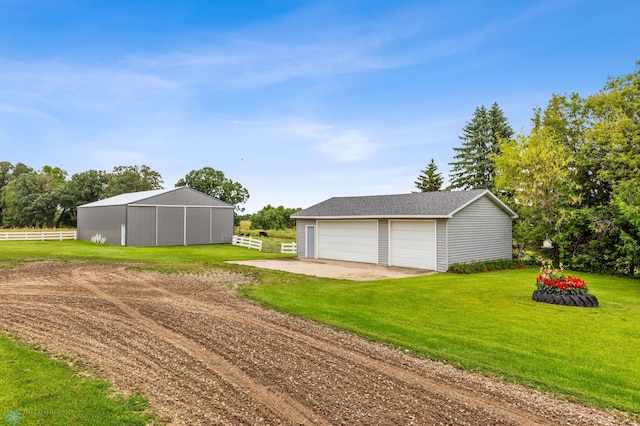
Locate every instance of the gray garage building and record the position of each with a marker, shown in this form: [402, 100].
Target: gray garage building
[430, 230]
[163, 217]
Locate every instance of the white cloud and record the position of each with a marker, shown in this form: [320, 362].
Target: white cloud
[344, 146]
[347, 146]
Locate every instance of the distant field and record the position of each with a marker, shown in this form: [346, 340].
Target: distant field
[283, 234]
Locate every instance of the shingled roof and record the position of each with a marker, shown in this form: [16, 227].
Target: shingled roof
[442, 204]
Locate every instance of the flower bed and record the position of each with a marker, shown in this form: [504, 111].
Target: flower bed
[553, 287]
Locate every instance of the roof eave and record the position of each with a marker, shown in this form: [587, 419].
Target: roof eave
[380, 216]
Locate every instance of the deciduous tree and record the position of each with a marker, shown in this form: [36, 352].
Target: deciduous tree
[124, 179]
[533, 171]
[5, 175]
[270, 217]
[82, 188]
[33, 198]
[214, 183]
[627, 199]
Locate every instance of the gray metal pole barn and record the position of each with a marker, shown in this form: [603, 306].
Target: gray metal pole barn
[163, 217]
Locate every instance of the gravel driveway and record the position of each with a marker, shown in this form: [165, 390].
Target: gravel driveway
[334, 268]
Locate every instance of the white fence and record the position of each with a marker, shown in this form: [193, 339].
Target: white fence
[248, 242]
[289, 248]
[38, 235]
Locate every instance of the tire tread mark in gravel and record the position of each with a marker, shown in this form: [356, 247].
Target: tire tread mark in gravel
[455, 393]
[282, 404]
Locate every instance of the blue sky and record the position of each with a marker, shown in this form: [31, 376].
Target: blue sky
[297, 100]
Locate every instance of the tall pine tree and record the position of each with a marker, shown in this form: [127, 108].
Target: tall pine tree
[474, 168]
[429, 180]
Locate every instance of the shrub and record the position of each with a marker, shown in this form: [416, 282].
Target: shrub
[488, 265]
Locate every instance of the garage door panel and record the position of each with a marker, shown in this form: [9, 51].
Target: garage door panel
[412, 244]
[355, 241]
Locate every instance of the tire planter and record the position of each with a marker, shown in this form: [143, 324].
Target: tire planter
[583, 300]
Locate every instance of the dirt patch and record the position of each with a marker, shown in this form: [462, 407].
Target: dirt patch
[334, 268]
[202, 355]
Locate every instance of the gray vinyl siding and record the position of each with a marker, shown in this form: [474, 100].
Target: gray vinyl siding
[441, 245]
[481, 231]
[383, 242]
[106, 221]
[301, 235]
[141, 229]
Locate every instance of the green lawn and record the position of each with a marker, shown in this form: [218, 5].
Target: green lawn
[37, 390]
[485, 321]
[164, 258]
[488, 322]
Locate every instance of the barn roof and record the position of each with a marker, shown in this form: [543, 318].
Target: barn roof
[441, 204]
[137, 197]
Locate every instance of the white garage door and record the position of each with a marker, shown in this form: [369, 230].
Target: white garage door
[351, 240]
[413, 244]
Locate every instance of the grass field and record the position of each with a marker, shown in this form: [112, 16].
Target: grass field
[162, 258]
[488, 322]
[484, 321]
[38, 390]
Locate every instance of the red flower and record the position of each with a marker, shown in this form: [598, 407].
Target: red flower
[559, 284]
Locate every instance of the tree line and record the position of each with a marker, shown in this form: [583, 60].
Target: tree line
[32, 198]
[573, 178]
[47, 198]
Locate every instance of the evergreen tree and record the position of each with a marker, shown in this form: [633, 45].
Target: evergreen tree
[474, 167]
[429, 180]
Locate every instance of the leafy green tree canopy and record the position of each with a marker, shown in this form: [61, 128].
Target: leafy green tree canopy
[273, 218]
[124, 179]
[82, 188]
[5, 175]
[533, 171]
[32, 198]
[214, 183]
[627, 199]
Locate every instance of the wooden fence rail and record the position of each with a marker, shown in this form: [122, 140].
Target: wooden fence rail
[289, 248]
[38, 235]
[248, 242]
